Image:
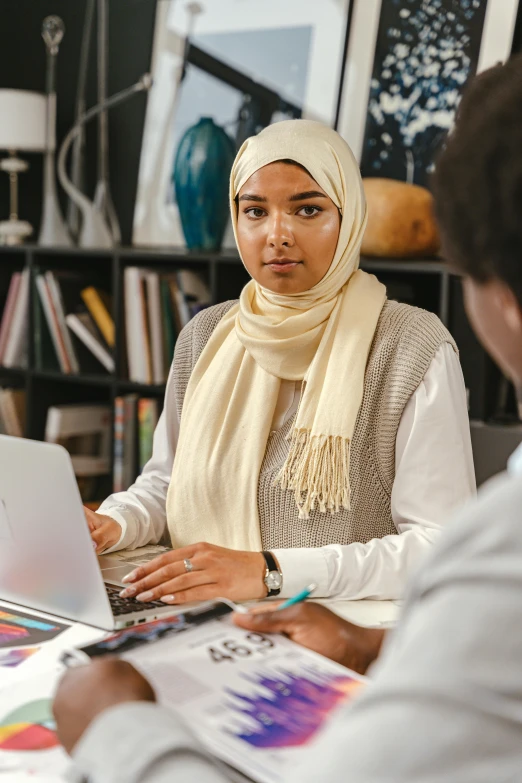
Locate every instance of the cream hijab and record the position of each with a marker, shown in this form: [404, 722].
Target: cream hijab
[322, 336]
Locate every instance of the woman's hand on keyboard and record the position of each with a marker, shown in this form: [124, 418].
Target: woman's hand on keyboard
[199, 572]
[105, 531]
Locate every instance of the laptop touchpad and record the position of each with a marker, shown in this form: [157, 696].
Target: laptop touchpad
[113, 569]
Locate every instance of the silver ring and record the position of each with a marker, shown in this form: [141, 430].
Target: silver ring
[188, 565]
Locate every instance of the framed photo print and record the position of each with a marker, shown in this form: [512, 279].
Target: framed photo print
[407, 64]
[242, 63]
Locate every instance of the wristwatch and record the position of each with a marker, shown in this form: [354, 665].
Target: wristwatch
[273, 578]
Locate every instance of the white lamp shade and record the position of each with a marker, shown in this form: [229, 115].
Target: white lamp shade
[22, 120]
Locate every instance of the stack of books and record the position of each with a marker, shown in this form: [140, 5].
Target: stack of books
[13, 326]
[157, 307]
[12, 412]
[135, 420]
[73, 326]
[85, 431]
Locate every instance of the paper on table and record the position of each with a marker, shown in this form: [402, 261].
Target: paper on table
[28, 742]
[254, 701]
[19, 629]
[48, 656]
[15, 657]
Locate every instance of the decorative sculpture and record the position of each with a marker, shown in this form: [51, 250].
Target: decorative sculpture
[94, 231]
[53, 232]
[102, 194]
[78, 151]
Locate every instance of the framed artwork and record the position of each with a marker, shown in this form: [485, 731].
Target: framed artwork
[407, 64]
[245, 65]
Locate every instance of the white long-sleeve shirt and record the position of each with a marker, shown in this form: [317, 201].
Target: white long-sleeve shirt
[434, 474]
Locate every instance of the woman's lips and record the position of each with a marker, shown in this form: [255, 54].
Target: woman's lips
[282, 265]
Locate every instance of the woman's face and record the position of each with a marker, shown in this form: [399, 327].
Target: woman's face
[287, 228]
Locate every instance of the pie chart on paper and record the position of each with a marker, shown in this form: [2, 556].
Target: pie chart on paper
[29, 727]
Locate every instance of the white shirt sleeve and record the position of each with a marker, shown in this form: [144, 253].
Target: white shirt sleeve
[434, 475]
[141, 510]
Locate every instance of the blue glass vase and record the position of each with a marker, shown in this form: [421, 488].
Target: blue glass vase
[201, 173]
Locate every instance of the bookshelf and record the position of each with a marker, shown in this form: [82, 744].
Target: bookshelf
[46, 387]
[427, 283]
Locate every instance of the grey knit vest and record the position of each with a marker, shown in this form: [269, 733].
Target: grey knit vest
[405, 342]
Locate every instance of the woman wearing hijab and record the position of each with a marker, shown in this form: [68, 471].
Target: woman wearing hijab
[313, 431]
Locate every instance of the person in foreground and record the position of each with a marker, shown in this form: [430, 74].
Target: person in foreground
[445, 703]
[313, 418]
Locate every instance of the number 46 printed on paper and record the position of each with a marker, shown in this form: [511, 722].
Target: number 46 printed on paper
[230, 649]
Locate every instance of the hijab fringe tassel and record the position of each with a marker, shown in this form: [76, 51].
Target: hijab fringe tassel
[317, 469]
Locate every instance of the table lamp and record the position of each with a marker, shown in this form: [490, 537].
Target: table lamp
[22, 129]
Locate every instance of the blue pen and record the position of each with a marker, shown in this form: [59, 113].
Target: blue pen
[296, 599]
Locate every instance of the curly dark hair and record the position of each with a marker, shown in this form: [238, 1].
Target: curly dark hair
[477, 182]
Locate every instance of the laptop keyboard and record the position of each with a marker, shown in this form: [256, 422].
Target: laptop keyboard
[121, 606]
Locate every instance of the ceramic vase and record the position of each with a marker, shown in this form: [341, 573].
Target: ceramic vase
[201, 173]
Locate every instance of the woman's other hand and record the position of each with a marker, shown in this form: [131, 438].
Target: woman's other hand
[216, 572]
[316, 627]
[105, 531]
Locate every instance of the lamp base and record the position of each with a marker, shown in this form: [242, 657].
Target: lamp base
[14, 232]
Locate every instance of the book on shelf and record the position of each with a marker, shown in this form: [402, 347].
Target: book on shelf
[9, 306]
[76, 342]
[130, 440]
[99, 305]
[169, 324]
[158, 305]
[48, 305]
[119, 426]
[56, 290]
[138, 353]
[82, 325]
[155, 327]
[85, 431]
[12, 412]
[125, 442]
[135, 420]
[181, 308]
[14, 327]
[194, 289]
[147, 421]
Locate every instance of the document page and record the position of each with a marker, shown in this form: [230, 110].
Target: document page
[254, 701]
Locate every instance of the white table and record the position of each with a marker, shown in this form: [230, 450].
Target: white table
[376, 614]
[373, 614]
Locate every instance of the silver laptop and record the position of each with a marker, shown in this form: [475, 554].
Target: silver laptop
[47, 559]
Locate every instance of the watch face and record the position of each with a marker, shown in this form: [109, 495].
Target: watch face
[273, 580]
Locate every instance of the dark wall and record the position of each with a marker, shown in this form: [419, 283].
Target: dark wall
[517, 38]
[22, 66]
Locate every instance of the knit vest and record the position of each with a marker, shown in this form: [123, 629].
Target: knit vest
[405, 342]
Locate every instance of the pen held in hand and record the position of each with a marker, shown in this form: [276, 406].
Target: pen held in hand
[298, 598]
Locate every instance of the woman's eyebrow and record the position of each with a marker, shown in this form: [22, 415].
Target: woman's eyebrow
[307, 194]
[252, 197]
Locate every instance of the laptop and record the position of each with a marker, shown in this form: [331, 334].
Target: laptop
[47, 559]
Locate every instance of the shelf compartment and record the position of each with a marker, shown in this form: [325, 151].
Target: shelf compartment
[73, 378]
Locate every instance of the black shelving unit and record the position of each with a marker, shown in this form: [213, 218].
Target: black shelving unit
[427, 283]
[48, 386]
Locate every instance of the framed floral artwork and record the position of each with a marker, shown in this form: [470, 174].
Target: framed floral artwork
[407, 64]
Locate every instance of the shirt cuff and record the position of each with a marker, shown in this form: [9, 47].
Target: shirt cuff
[125, 520]
[302, 567]
[107, 746]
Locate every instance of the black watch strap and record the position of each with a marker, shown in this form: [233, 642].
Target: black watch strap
[271, 565]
